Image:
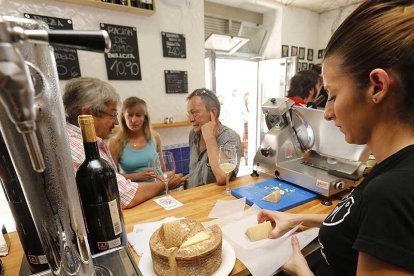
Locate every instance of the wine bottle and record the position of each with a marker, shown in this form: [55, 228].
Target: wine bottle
[25, 227]
[98, 190]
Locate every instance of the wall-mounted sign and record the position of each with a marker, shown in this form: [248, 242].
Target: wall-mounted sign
[67, 61]
[173, 45]
[122, 62]
[176, 81]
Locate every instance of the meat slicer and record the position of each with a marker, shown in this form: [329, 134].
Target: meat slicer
[303, 148]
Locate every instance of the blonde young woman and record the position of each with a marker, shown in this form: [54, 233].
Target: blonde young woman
[134, 146]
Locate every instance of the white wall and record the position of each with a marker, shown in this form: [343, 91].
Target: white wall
[184, 17]
[302, 28]
[272, 21]
[292, 27]
[329, 22]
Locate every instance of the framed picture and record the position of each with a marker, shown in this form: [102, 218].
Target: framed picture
[310, 66]
[294, 51]
[285, 50]
[310, 54]
[299, 66]
[304, 66]
[301, 53]
[320, 53]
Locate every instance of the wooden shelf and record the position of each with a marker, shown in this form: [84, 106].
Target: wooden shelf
[175, 124]
[112, 6]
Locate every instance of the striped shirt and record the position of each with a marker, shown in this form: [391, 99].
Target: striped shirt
[127, 188]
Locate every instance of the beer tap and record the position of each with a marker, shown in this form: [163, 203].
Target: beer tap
[16, 84]
[35, 121]
[17, 94]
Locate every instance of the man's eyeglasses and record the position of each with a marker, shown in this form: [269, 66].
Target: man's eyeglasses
[207, 93]
[203, 91]
[114, 115]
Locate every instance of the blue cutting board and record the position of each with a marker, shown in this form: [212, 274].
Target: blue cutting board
[293, 197]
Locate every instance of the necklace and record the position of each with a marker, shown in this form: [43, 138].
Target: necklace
[136, 142]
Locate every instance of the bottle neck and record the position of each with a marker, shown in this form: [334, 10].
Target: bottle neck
[91, 150]
[90, 143]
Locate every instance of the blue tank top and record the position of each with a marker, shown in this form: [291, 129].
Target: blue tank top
[133, 160]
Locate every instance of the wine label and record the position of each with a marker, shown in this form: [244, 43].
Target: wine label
[39, 259]
[116, 222]
[109, 244]
[104, 225]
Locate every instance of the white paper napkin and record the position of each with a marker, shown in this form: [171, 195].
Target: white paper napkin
[141, 234]
[175, 203]
[266, 261]
[236, 232]
[228, 208]
[263, 257]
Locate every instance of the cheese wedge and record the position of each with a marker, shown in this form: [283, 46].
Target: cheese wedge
[275, 197]
[199, 237]
[259, 231]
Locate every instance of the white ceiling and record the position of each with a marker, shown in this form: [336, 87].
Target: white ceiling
[261, 6]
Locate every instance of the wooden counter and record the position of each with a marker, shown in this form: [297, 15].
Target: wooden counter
[197, 205]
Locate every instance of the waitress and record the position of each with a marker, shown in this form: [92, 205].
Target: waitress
[368, 72]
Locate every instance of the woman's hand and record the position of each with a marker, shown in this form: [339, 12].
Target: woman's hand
[144, 175]
[281, 222]
[297, 264]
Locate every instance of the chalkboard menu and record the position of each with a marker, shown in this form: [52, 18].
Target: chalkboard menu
[176, 81]
[122, 62]
[173, 45]
[67, 61]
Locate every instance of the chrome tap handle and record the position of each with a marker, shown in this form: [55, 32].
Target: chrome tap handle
[97, 41]
[17, 95]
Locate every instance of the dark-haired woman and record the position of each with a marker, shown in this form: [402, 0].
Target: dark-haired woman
[368, 71]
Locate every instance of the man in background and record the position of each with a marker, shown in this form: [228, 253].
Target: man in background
[206, 137]
[304, 87]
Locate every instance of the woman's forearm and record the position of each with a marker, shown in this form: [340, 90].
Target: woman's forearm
[310, 220]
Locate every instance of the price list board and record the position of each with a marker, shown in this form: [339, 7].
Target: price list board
[176, 81]
[67, 61]
[173, 45]
[122, 62]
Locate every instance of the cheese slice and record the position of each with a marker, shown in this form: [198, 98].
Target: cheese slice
[275, 197]
[259, 231]
[199, 237]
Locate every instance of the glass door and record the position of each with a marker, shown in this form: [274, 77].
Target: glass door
[235, 83]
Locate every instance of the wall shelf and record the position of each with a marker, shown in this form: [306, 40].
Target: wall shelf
[175, 124]
[112, 6]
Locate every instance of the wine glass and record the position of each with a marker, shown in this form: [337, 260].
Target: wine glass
[227, 160]
[164, 168]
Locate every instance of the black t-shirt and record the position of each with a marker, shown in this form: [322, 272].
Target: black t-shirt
[376, 218]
